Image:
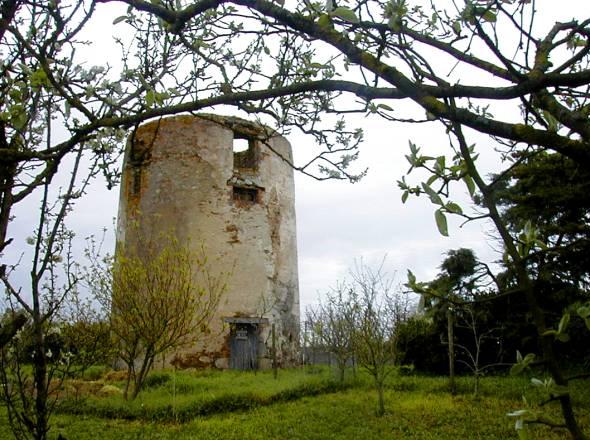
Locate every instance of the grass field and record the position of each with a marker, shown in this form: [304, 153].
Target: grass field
[305, 405]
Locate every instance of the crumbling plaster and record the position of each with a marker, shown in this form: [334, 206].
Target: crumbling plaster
[179, 178]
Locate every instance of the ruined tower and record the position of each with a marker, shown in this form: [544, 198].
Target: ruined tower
[224, 183]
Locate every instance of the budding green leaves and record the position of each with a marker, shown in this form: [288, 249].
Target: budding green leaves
[153, 98]
[150, 98]
[489, 15]
[521, 416]
[439, 215]
[528, 240]
[563, 323]
[119, 19]
[521, 363]
[345, 14]
[414, 285]
[39, 79]
[434, 197]
[411, 279]
[441, 222]
[560, 334]
[16, 115]
[552, 123]
[472, 13]
[470, 184]
[584, 313]
[576, 41]
[324, 20]
[454, 208]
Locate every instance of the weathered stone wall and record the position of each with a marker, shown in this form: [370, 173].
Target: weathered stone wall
[181, 176]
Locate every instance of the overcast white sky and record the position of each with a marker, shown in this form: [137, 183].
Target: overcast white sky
[339, 222]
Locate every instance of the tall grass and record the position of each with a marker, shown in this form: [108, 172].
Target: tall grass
[233, 405]
[179, 397]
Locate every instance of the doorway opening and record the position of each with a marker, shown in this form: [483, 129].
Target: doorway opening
[244, 347]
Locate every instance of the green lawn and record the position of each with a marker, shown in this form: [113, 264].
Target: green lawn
[300, 405]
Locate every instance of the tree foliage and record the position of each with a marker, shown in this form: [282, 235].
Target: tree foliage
[331, 323]
[69, 346]
[361, 321]
[379, 310]
[445, 298]
[317, 51]
[552, 192]
[59, 129]
[163, 297]
[10, 326]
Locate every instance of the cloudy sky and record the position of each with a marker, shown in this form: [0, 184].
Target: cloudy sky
[337, 222]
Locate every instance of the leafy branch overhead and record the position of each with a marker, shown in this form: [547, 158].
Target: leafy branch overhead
[390, 44]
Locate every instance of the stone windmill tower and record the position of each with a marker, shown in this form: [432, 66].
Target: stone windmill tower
[223, 182]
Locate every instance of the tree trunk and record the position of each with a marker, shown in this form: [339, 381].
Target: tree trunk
[525, 282]
[7, 173]
[143, 372]
[275, 371]
[41, 425]
[341, 368]
[380, 391]
[130, 376]
[547, 349]
[451, 344]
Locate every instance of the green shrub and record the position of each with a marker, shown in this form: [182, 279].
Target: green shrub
[95, 372]
[156, 379]
[310, 389]
[315, 369]
[407, 370]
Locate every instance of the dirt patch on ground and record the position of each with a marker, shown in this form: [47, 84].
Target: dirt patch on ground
[115, 376]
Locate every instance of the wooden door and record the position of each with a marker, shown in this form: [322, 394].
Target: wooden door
[244, 347]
